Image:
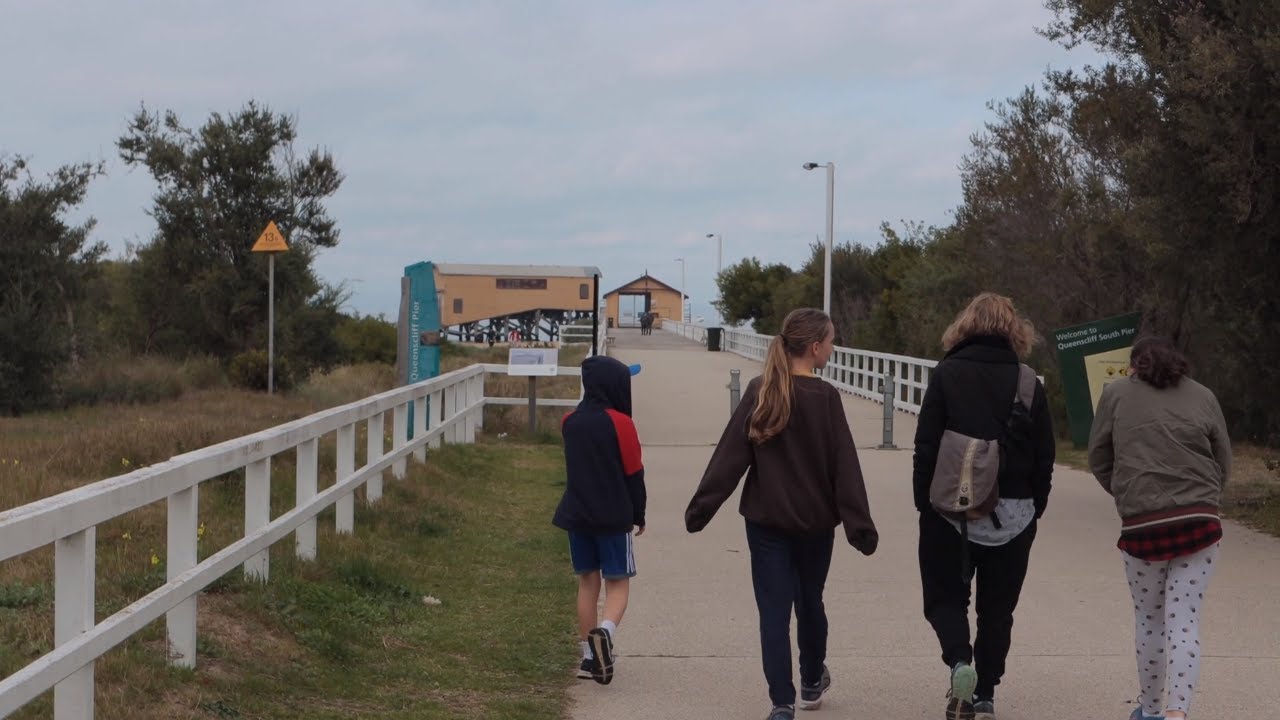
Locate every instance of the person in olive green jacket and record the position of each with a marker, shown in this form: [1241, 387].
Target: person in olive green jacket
[1159, 446]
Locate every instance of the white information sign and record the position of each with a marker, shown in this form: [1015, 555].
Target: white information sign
[541, 362]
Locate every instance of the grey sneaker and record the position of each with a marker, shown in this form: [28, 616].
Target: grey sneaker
[984, 710]
[811, 696]
[602, 648]
[586, 671]
[782, 712]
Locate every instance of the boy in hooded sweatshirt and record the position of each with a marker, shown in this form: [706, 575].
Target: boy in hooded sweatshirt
[604, 499]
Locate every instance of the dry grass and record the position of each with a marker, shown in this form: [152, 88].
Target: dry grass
[514, 420]
[1253, 497]
[338, 636]
[45, 454]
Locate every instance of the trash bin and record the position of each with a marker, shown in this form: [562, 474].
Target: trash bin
[713, 339]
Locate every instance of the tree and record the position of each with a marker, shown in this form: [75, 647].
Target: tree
[1190, 101]
[197, 287]
[746, 292]
[44, 266]
[367, 339]
[886, 326]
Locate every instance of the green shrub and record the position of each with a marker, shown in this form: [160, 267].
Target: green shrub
[366, 339]
[249, 370]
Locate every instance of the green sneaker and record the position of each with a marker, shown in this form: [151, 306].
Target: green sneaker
[960, 697]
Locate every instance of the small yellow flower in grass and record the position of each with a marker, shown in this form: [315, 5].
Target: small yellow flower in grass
[200, 531]
[155, 559]
[124, 462]
[126, 536]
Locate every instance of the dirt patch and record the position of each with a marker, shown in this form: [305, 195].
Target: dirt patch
[229, 629]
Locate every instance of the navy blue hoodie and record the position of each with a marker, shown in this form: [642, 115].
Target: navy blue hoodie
[605, 492]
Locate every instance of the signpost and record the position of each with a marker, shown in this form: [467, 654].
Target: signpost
[533, 363]
[271, 242]
[420, 349]
[1091, 356]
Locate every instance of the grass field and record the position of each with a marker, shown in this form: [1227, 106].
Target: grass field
[355, 634]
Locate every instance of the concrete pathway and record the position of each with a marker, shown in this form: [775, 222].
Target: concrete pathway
[689, 645]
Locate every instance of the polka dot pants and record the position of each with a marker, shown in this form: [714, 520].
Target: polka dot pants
[1167, 596]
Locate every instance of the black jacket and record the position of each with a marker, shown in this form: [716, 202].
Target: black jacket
[972, 392]
[604, 491]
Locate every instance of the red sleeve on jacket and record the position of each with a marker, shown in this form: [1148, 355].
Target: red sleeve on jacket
[628, 442]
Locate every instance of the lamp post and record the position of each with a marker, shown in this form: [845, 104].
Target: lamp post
[682, 316]
[831, 199]
[719, 252]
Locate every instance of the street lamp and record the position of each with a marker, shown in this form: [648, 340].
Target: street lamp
[681, 261]
[719, 252]
[831, 200]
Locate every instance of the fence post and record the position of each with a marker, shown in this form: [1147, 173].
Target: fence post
[306, 483]
[399, 435]
[477, 396]
[533, 404]
[467, 391]
[437, 415]
[73, 592]
[183, 532]
[376, 447]
[735, 389]
[886, 386]
[345, 522]
[451, 409]
[420, 425]
[257, 513]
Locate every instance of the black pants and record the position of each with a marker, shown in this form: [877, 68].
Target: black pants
[999, 572]
[790, 570]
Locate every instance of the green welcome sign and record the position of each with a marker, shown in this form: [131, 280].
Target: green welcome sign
[1092, 355]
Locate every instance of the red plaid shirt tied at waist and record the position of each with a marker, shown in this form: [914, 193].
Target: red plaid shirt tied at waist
[1170, 534]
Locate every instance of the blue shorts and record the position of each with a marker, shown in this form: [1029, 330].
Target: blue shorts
[612, 555]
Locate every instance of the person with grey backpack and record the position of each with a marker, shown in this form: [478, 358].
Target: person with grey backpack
[982, 469]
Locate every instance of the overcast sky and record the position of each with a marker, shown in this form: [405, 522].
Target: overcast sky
[605, 133]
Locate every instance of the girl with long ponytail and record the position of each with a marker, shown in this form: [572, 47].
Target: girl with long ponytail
[790, 436]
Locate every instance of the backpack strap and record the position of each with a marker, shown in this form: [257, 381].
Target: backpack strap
[1026, 386]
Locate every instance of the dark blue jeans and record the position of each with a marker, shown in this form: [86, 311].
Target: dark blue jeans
[790, 570]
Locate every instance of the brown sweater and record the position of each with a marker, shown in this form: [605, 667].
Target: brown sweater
[806, 480]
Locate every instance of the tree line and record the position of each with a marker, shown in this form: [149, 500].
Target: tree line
[193, 287]
[1148, 183]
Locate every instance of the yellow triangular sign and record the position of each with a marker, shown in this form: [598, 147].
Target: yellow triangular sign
[271, 241]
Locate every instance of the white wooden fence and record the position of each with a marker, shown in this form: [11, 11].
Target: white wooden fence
[456, 402]
[858, 372]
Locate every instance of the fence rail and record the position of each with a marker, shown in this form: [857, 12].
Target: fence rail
[579, 334]
[857, 372]
[447, 409]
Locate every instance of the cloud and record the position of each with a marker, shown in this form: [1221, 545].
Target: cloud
[610, 133]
